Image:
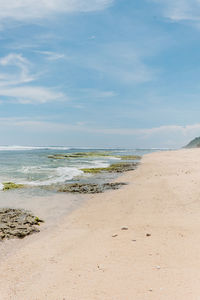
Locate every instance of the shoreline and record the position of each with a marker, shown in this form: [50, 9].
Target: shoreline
[139, 242]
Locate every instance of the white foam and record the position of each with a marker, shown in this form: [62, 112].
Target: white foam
[1, 186]
[61, 175]
[28, 148]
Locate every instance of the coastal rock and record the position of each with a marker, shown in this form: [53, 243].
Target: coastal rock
[11, 185]
[17, 223]
[114, 168]
[93, 154]
[89, 188]
[79, 155]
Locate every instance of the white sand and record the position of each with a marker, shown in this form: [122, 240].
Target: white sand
[80, 260]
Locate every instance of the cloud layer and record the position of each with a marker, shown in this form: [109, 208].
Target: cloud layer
[164, 136]
[37, 9]
[15, 74]
[180, 10]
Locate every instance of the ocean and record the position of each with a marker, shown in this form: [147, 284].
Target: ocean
[31, 165]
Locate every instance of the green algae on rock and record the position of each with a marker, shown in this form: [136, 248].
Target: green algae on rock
[11, 185]
[89, 188]
[117, 168]
[80, 155]
[17, 223]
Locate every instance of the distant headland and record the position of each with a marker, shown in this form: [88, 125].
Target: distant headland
[195, 143]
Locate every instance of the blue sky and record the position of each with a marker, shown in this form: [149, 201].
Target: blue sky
[99, 72]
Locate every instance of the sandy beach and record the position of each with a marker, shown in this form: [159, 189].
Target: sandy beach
[140, 242]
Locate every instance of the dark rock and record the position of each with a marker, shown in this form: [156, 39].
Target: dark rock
[124, 228]
[17, 223]
[89, 188]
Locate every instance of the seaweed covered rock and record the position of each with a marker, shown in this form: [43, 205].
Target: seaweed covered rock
[11, 185]
[89, 188]
[114, 168]
[79, 155]
[17, 223]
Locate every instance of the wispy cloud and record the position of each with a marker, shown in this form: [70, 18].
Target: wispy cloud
[31, 94]
[96, 94]
[166, 136]
[14, 76]
[121, 62]
[15, 70]
[180, 10]
[37, 9]
[51, 55]
[184, 130]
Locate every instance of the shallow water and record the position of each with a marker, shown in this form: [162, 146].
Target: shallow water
[31, 165]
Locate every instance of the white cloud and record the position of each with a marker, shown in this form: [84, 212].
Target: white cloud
[180, 10]
[96, 94]
[52, 55]
[31, 94]
[37, 9]
[122, 62]
[164, 136]
[14, 69]
[15, 73]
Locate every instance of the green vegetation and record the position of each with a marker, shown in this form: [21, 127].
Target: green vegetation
[118, 168]
[11, 185]
[38, 221]
[79, 155]
[94, 170]
[194, 143]
[93, 154]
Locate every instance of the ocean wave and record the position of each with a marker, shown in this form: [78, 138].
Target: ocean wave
[61, 175]
[1, 186]
[26, 148]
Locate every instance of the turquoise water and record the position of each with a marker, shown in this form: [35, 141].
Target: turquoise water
[31, 165]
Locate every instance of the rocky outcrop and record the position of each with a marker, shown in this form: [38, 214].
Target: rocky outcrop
[114, 168]
[79, 155]
[194, 143]
[11, 186]
[89, 188]
[17, 223]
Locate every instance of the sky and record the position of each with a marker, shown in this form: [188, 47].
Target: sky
[99, 73]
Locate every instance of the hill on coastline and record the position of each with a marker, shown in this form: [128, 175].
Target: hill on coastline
[194, 143]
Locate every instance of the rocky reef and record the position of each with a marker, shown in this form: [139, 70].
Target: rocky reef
[114, 168]
[89, 188]
[93, 154]
[17, 223]
[11, 185]
[79, 155]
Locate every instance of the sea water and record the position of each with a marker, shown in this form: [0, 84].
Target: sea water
[31, 165]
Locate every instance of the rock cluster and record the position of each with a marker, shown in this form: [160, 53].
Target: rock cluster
[114, 168]
[17, 223]
[89, 188]
[11, 185]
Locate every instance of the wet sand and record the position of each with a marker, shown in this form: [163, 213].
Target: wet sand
[140, 242]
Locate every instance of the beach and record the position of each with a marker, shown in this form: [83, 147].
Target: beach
[140, 242]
